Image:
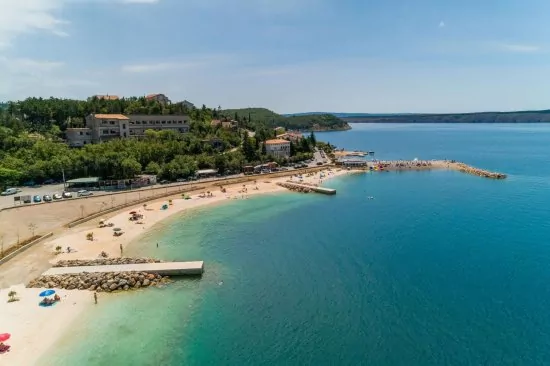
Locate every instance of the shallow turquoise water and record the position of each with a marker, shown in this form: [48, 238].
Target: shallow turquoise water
[440, 268]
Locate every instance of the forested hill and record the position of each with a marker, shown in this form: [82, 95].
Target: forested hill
[484, 117]
[310, 122]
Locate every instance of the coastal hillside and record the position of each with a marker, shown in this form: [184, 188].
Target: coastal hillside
[310, 122]
[484, 117]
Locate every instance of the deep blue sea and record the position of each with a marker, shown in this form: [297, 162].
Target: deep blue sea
[441, 268]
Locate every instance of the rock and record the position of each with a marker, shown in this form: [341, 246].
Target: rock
[137, 285]
[146, 282]
[126, 287]
[113, 287]
[91, 288]
[51, 284]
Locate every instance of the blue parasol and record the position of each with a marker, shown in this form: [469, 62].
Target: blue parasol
[46, 293]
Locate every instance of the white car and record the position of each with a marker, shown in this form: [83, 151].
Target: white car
[83, 193]
[57, 196]
[10, 191]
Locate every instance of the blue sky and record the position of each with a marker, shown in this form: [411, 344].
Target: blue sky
[286, 55]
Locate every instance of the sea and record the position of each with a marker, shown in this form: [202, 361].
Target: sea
[440, 268]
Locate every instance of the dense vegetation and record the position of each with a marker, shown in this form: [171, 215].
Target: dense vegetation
[32, 146]
[485, 117]
[265, 117]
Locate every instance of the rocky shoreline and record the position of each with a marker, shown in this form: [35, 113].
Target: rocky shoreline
[104, 262]
[101, 282]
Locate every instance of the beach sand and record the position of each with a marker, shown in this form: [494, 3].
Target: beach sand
[35, 329]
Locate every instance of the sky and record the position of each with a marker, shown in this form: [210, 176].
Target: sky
[372, 56]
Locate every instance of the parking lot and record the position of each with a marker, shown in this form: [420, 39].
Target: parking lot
[50, 189]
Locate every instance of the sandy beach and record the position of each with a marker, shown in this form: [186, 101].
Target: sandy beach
[34, 329]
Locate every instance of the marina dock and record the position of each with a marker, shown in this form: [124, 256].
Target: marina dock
[164, 269]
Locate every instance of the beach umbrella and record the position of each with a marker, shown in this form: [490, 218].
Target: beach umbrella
[117, 229]
[133, 212]
[4, 337]
[46, 293]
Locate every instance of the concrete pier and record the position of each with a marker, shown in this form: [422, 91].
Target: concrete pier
[163, 269]
[306, 188]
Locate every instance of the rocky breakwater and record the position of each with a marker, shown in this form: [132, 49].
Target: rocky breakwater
[101, 282]
[294, 187]
[479, 172]
[104, 262]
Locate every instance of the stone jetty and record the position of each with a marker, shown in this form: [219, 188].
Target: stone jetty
[295, 187]
[300, 187]
[104, 262]
[461, 167]
[100, 282]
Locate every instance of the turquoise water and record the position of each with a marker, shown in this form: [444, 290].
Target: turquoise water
[441, 268]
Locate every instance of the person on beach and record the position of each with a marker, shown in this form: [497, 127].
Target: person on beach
[95, 297]
[157, 245]
[121, 249]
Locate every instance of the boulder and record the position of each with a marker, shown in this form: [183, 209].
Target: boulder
[113, 286]
[146, 282]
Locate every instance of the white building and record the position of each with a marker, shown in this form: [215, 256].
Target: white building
[78, 137]
[278, 148]
[105, 127]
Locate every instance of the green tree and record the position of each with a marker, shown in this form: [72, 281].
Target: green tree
[153, 168]
[130, 167]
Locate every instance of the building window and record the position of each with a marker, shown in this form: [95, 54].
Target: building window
[80, 133]
[158, 122]
[124, 126]
[163, 122]
[112, 122]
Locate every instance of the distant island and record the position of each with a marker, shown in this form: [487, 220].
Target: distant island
[542, 116]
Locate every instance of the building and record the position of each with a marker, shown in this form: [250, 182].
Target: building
[224, 124]
[78, 137]
[291, 136]
[105, 97]
[187, 104]
[105, 127]
[278, 148]
[141, 123]
[161, 98]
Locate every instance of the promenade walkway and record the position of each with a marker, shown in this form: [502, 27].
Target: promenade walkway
[163, 269]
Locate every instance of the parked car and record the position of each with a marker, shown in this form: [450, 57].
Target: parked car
[36, 199]
[164, 182]
[67, 195]
[180, 180]
[10, 191]
[57, 196]
[47, 198]
[83, 193]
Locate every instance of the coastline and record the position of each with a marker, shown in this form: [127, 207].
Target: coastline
[28, 322]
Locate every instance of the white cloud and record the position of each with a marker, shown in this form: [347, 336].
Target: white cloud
[520, 48]
[24, 16]
[159, 66]
[441, 24]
